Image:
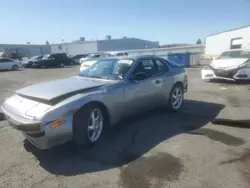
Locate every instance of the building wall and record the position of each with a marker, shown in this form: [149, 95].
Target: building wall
[75, 48]
[218, 43]
[125, 44]
[164, 51]
[26, 50]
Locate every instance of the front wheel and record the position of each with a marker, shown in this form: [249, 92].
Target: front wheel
[88, 125]
[14, 67]
[176, 98]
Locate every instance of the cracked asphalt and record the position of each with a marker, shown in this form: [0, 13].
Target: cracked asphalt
[155, 150]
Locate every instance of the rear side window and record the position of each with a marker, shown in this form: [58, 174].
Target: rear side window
[52, 56]
[149, 67]
[161, 66]
[60, 56]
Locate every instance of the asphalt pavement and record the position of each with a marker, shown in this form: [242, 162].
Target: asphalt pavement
[157, 149]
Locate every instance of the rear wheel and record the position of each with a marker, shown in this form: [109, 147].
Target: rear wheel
[176, 98]
[14, 67]
[88, 125]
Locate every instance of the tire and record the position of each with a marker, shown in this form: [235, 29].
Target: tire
[14, 67]
[83, 128]
[176, 93]
[62, 65]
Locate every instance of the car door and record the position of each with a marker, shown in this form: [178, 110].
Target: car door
[51, 61]
[2, 65]
[64, 59]
[166, 77]
[55, 60]
[142, 95]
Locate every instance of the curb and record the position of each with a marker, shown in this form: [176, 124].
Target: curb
[232, 123]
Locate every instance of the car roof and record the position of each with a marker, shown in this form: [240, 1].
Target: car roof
[132, 57]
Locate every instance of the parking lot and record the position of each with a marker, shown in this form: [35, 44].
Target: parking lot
[158, 149]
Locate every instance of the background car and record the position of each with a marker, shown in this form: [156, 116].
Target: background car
[79, 107]
[76, 58]
[230, 65]
[119, 53]
[29, 61]
[95, 56]
[52, 60]
[10, 64]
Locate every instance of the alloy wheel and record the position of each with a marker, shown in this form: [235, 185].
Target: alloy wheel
[95, 125]
[177, 98]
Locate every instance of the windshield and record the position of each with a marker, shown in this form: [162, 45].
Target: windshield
[235, 54]
[115, 69]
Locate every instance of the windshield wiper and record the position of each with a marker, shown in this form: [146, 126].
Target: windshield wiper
[96, 77]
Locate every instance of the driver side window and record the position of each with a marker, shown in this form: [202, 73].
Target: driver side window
[147, 67]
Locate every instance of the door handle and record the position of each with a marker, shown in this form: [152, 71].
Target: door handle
[157, 81]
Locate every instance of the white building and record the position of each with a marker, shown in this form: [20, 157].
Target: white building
[233, 39]
[26, 49]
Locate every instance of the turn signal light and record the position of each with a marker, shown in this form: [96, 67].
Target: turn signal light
[58, 123]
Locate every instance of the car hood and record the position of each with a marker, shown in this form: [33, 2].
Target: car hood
[64, 88]
[228, 63]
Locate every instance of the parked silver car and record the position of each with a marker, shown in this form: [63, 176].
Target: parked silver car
[79, 107]
[10, 64]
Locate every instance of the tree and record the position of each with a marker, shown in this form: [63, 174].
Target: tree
[199, 41]
[47, 43]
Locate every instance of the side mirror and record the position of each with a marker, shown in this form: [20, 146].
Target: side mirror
[139, 76]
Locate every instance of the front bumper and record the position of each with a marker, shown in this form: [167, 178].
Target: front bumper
[40, 134]
[232, 74]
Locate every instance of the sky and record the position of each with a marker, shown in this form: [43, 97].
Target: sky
[166, 21]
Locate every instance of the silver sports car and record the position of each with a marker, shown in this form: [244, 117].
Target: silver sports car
[77, 108]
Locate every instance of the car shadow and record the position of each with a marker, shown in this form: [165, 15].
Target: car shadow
[126, 141]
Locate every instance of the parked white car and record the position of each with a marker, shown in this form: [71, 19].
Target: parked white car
[10, 64]
[94, 56]
[230, 65]
[119, 53]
